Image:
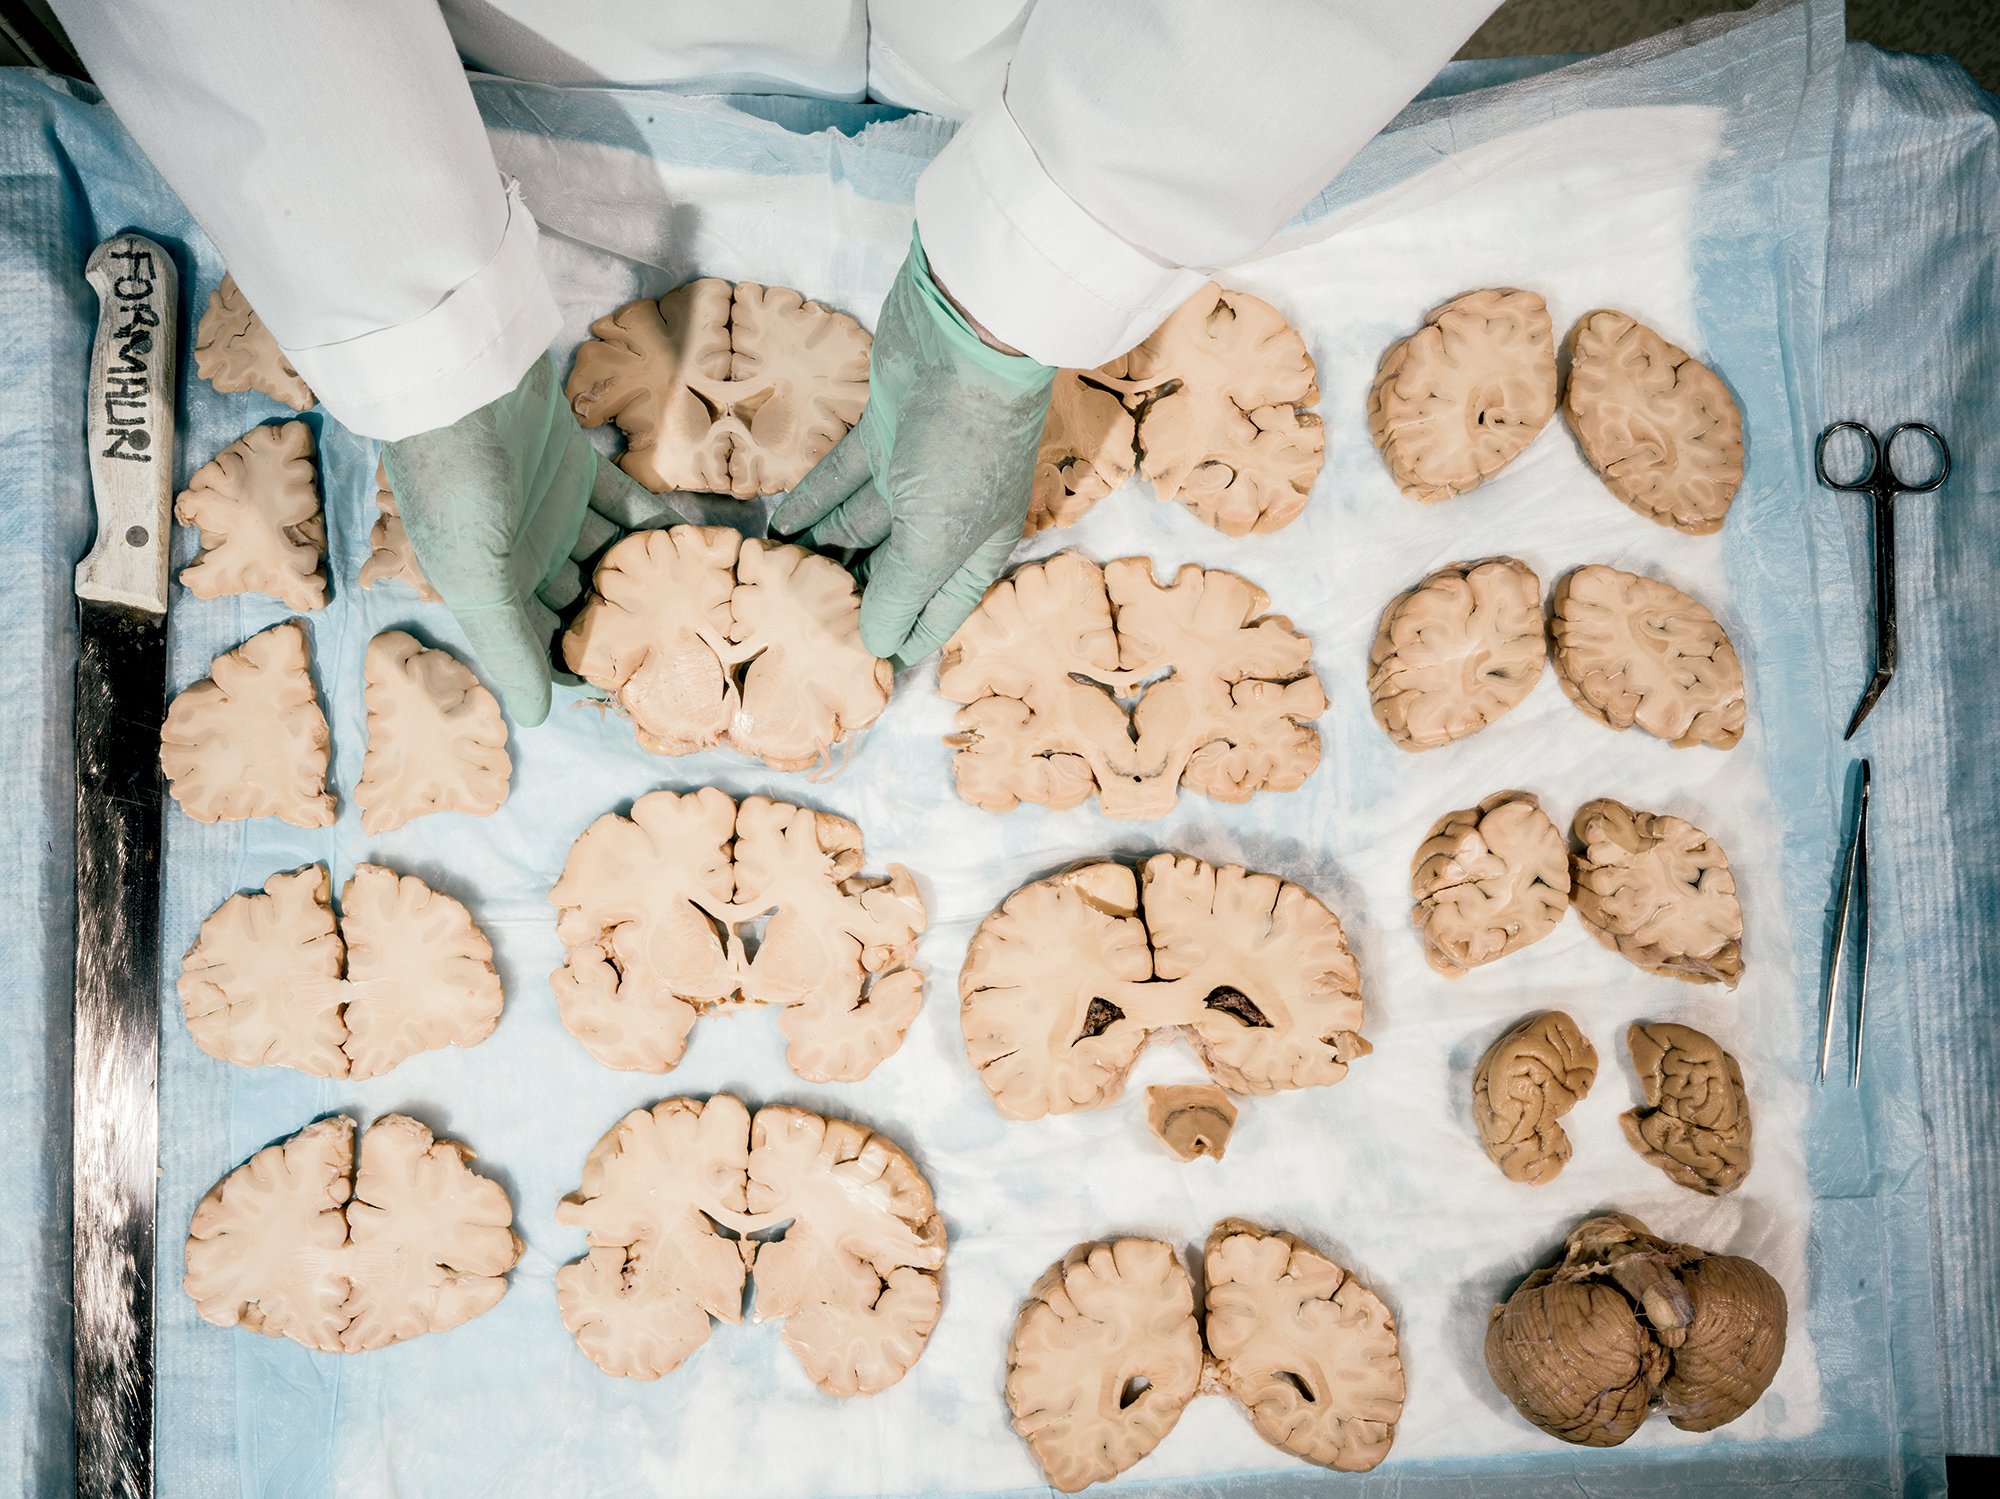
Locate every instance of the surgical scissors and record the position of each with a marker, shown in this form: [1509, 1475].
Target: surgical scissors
[1880, 483]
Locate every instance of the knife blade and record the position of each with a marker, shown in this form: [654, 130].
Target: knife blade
[121, 589]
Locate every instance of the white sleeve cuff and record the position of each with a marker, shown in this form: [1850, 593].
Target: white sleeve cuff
[1022, 257]
[471, 348]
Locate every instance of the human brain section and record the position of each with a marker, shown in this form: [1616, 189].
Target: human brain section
[654, 907]
[725, 389]
[706, 638]
[685, 1201]
[1072, 975]
[1077, 680]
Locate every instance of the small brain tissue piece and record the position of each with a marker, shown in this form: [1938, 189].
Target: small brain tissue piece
[685, 1201]
[436, 742]
[653, 908]
[1069, 979]
[1657, 891]
[392, 559]
[1456, 652]
[724, 389]
[1463, 396]
[297, 1244]
[706, 638]
[1488, 880]
[256, 505]
[249, 740]
[1078, 680]
[273, 979]
[1191, 1120]
[233, 351]
[1529, 1078]
[1659, 426]
[1631, 650]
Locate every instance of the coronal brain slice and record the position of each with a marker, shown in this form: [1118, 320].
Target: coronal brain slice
[297, 1244]
[233, 351]
[733, 390]
[1460, 398]
[652, 908]
[1488, 880]
[707, 638]
[1046, 665]
[249, 740]
[256, 505]
[1657, 891]
[1633, 650]
[1211, 407]
[1106, 1353]
[273, 979]
[1660, 427]
[1104, 1357]
[1456, 652]
[436, 742]
[1527, 1080]
[1695, 1125]
[680, 1202]
[1072, 975]
[1304, 1347]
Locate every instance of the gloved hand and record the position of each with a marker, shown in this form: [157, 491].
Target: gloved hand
[935, 477]
[501, 507]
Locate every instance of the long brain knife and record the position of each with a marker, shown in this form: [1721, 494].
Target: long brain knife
[121, 589]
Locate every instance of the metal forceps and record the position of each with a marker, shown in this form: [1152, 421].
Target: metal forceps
[1853, 897]
[1879, 481]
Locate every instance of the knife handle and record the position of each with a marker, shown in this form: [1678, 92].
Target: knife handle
[131, 422]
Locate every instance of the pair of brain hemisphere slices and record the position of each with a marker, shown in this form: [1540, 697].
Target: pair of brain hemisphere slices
[652, 908]
[1463, 396]
[1067, 981]
[274, 979]
[673, 1200]
[250, 739]
[256, 505]
[297, 1244]
[1491, 879]
[1487, 881]
[1044, 667]
[233, 351]
[727, 389]
[1107, 1352]
[1212, 409]
[1466, 645]
[705, 637]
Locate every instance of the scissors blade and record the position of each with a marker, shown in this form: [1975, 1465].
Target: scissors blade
[1868, 700]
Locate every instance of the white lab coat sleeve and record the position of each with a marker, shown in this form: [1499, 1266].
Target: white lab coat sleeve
[335, 156]
[1139, 144]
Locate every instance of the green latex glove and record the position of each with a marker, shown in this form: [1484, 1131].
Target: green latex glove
[501, 508]
[936, 476]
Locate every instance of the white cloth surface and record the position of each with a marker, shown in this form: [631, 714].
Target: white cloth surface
[1382, 1171]
[335, 155]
